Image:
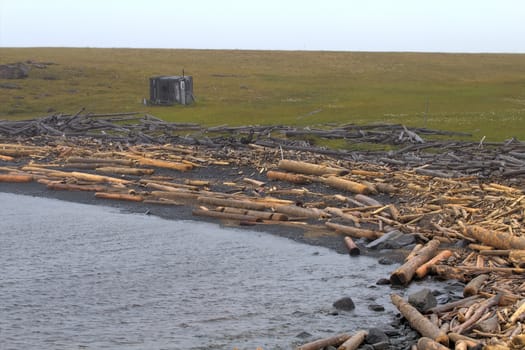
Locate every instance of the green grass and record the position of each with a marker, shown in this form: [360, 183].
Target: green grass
[479, 93]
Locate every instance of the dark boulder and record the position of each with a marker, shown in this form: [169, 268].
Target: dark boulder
[422, 300]
[345, 304]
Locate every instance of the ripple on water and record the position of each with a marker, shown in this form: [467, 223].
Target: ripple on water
[88, 276]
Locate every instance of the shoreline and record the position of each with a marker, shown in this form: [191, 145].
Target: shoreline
[463, 208]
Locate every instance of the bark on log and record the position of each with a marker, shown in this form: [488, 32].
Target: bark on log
[232, 203]
[74, 187]
[496, 239]
[16, 178]
[354, 231]
[125, 171]
[225, 216]
[354, 342]
[418, 321]
[288, 177]
[425, 343]
[353, 249]
[346, 185]
[321, 343]
[309, 168]
[423, 269]
[403, 275]
[163, 164]
[473, 287]
[119, 196]
[265, 215]
[295, 211]
[97, 178]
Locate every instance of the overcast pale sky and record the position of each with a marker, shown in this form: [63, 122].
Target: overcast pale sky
[345, 25]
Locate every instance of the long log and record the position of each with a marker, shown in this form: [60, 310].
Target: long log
[354, 231]
[74, 187]
[354, 342]
[295, 211]
[423, 269]
[309, 168]
[496, 239]
[125, 171]
[16, 178]
[336, 340]
[346, 185]
[265, 215]
[225, 216]
[418, 321]
[163, 163]
[97, 178]
[119, 196]
[403, 275]
[235, 203]
[81, 160]
[288, 177]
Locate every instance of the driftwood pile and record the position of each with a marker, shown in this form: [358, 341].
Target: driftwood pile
[469, 225]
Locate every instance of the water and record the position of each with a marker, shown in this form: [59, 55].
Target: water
[79, 276]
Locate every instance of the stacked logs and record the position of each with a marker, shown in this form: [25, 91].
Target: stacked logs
[359, 200]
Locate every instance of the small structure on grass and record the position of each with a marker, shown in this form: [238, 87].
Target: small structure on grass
[169, 90]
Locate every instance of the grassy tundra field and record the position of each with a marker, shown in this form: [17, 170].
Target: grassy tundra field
[479, 93]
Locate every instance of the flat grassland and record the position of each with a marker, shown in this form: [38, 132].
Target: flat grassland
[479, 93]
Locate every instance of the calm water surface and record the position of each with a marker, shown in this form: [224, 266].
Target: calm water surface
[75, 276]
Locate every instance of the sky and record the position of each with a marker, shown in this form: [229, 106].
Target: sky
[333, 25]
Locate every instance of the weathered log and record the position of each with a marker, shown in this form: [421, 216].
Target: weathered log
[309, 168]
[119, 196]
[418, 321]
[367, 200]
[403, 275]
[353, 249]
[322, 343]
[225, 216]
[354, 342]
[354, 231]
[295, 211]
[423, 269]
[125, 171]
[182, 195]
[235, 203]
[346, 185]
[158, 163]
[288, 177]
[473, 287]
[16, 178]
[97, 178]
[496, 239]
[265, 215]
[81, 160]
[74, 187]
